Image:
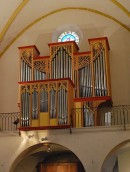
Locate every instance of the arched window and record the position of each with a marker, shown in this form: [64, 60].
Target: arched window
[68, 36]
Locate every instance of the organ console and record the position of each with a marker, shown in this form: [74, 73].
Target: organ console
[51, 87]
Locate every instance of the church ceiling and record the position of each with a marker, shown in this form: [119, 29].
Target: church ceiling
[18, 16]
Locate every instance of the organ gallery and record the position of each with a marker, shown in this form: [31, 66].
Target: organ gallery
[62, 89]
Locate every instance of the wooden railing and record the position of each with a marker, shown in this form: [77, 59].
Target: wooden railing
[105, 116]
[9, 121]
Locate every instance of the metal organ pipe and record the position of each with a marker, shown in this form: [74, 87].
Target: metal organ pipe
[62, 106]
[61, 64]
[43, 101]
[64, 63]
[104, 74]
[100, 75]
[25, 108]
[34, 104]
[52, 104]
[26, 71]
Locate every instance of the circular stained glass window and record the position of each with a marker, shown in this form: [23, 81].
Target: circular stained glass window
[68, 36]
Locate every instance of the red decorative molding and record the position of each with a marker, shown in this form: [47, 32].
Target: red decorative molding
[48, 80]
[105, 38]
[43, 127]
[88, 99]
[41, 57]
[62, 43]
[30, 46]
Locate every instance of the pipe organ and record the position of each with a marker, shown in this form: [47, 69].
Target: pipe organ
[51, 86]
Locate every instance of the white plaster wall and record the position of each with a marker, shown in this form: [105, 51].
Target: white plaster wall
[40, 34]
[124, 161]
[91, 146]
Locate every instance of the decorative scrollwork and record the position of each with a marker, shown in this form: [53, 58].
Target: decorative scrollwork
[25, 89]
[43, 87]
[27, 57]
[40, 65]
[83, 61]
[52, 87]
[97, 48]
[62, 86]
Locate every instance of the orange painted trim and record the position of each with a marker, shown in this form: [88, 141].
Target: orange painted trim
[41, 57]
[30, 46]
[82, 53]
[44, 128]
[62, 43]
[102, 38]
[88, 99]
[47, 80]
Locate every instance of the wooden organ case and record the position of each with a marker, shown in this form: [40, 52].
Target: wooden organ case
[50, 87]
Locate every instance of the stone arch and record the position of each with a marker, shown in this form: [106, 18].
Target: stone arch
[110, 163]
[44, 152]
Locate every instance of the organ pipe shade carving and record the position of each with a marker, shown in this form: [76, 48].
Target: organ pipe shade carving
[26, 66]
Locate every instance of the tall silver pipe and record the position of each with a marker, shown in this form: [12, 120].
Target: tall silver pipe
[69, 72]
[62, 104]
[52, 69]
[99, 74]
[69, 61]
[101, 67]
[104, 74]
[64, 63]
[58, 107]
[25, 110]
[35, 74]
[30, 73]
[66, 107]
[67, 66]
[21, 71]
[96, 77]
[34, 104]
[51, 104]
[22, 108]
[83, 81]
[26, 72]
[28, 109]
[61, 64]
[75, 82]
[57, 67]
[88, 80]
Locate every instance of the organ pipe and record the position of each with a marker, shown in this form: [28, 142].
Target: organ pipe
[34, 104]
[25, 108]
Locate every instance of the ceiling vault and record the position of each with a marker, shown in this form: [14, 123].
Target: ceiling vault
[119, 5]
[51, 13]
[11, 19]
